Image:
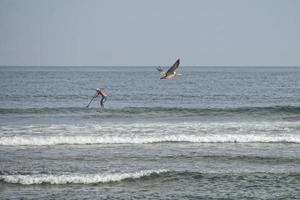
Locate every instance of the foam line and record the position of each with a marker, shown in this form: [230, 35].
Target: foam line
[76, 178]
[145, 139]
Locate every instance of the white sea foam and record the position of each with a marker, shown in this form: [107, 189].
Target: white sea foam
[151, 133]
[76, 178]
[83, 140]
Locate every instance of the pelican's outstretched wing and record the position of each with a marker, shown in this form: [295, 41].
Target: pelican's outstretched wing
[159, 69]
[174, 67]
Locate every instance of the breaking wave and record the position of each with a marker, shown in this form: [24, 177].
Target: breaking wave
[36, 179]
[144, 139]
[76, 178]
[144, 133]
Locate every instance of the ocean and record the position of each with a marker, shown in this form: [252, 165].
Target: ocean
[212, 133]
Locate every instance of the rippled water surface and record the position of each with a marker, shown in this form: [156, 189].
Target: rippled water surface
[212, 133]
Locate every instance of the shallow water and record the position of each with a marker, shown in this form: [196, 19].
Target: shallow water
[212, 133]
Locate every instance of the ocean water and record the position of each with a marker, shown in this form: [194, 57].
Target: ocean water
[212, 133]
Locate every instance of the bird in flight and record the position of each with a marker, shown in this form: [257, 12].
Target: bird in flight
[171, 71]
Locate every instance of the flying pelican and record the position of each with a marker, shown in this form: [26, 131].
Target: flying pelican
[171, 72]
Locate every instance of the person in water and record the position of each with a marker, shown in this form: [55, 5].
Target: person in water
[103, 96]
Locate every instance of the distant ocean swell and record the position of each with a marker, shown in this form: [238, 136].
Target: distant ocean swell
[36, 179]
[155, 111]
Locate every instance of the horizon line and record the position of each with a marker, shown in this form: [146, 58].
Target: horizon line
[148, 65]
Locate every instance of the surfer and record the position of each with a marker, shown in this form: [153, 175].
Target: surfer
[103, 96]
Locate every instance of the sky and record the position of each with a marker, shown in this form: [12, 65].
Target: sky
[149, 32]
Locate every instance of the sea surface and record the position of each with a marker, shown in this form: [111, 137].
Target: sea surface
[212, 133]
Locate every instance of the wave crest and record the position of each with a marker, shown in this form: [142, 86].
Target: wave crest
[76, 178]
[143, 139]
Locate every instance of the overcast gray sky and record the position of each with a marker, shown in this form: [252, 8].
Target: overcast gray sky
[152, 32]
